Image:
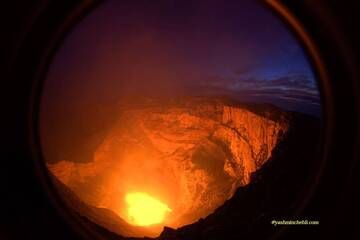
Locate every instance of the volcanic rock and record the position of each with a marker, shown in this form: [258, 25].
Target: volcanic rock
[192, 153]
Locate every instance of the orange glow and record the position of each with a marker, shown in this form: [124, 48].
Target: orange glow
[170, 167]
[145, 210]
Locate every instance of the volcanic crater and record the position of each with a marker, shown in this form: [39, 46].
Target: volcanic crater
[190, 153]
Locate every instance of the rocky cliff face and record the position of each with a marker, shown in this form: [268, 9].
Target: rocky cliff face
[191, 153]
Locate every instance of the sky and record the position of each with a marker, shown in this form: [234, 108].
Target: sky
[150, 48]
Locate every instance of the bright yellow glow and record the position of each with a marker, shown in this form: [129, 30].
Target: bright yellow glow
[144, 210]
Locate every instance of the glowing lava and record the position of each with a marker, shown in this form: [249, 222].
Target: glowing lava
[145, 210]
[189, 156]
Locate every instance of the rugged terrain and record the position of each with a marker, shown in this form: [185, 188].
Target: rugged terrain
[193, 153]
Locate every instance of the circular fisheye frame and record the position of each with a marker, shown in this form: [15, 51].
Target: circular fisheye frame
[156, 117]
